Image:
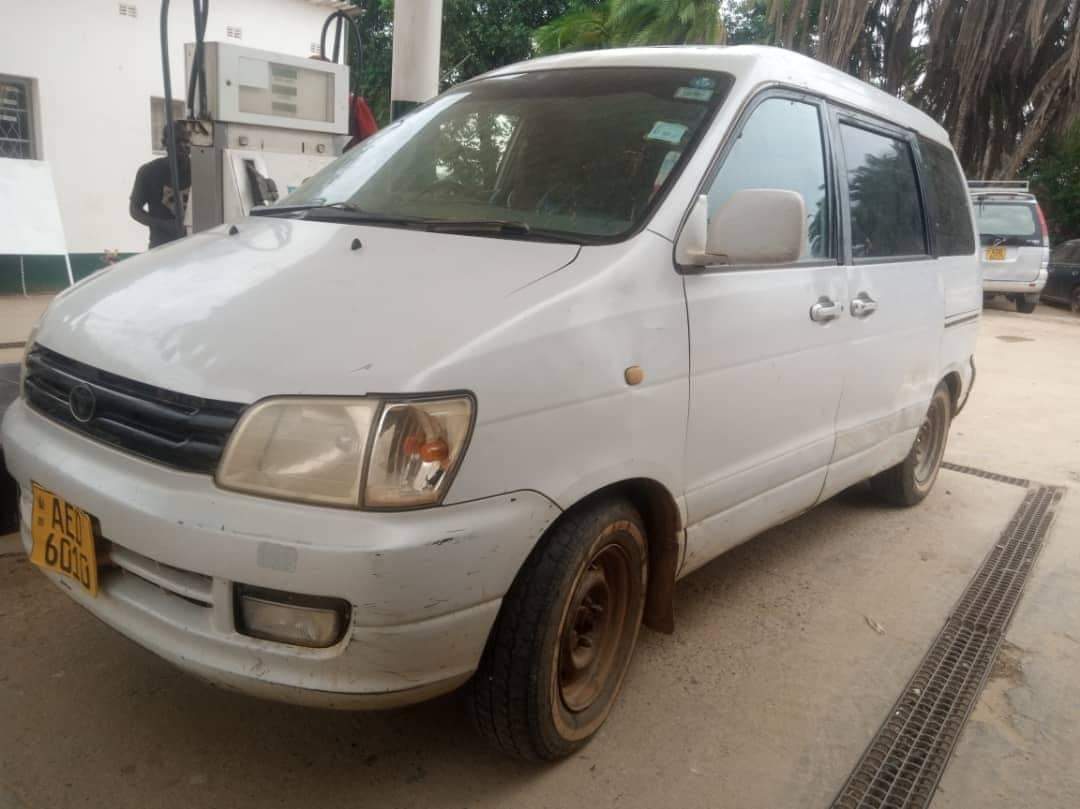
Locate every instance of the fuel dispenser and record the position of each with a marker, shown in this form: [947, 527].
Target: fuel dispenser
[270, 121]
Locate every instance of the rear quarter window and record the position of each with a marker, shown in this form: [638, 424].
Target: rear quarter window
[948, 201]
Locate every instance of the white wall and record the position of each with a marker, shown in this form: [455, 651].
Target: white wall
[96, 72]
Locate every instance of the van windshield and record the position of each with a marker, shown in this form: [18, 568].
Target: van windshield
[582, 153]
[1008, 223]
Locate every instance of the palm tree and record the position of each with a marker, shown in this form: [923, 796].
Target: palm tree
[1001, 75]
[583, 28]
[633, 22]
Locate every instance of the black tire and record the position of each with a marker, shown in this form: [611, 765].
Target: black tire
[1025, 304]
[537, 694]
[908, 483]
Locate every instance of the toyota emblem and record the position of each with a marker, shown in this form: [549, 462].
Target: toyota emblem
[82, 402]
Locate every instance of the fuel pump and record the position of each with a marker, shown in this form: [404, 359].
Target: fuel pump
[270, 122]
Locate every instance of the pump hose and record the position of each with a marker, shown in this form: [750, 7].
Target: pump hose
[201, 13]
[354, 29]
[170, 135]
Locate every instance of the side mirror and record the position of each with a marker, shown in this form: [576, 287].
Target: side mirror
[755, 226]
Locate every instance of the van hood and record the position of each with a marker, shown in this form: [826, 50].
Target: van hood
[294, 307]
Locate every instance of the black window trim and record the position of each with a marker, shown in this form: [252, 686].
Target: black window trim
[747, 109]
[841, 115]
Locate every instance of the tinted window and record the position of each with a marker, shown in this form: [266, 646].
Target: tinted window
[948, 198]
[1013, 222]
[1068, 253]
[586, 153]
[780, 147]
[886, 211]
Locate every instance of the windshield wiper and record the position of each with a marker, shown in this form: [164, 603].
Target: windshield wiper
[499, 227]
[347, 212]
[336, 212]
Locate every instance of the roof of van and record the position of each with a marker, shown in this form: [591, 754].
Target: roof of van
[758, 64]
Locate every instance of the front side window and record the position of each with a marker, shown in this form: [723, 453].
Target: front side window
[584, 153]
[948, 201]
[886, 209]
[780, 147]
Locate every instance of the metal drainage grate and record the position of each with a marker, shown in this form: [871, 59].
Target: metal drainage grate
[906, 759]
[982, 473]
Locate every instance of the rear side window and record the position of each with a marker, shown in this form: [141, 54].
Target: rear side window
[948, 200]
[1012, 223]
[886, 209]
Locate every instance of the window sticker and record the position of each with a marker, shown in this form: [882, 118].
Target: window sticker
[670, 159]
[667, 132]
[703, 83]
[693, 94]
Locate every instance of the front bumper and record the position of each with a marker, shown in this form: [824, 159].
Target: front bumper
[1017, 287]
[424, 586]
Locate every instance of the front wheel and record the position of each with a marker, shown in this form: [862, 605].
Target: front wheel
[564, 637]
[908, 483]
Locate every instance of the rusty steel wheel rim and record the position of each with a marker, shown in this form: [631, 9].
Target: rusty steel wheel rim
[592, 630]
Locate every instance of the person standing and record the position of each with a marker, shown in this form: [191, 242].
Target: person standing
[153, 198]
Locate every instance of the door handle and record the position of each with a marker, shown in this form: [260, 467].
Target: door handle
[863, 305]
[825, 310]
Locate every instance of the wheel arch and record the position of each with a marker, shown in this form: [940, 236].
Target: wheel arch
[955, 383]
[664, 535]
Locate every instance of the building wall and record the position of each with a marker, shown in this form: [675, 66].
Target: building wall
[96, 71]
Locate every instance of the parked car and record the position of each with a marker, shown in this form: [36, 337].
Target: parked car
[1015, 241]
[1063, 282]
[465, 406]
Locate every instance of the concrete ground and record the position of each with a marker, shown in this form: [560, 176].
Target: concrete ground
[787, 654]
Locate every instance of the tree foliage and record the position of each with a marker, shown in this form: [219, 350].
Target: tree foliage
[1001, 75]
[1054, 172]
[617, 23]
[477, 36]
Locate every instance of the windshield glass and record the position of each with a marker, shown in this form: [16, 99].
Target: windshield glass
[584, 152]
[1008, 221]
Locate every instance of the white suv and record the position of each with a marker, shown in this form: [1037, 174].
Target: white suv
[1015, 241]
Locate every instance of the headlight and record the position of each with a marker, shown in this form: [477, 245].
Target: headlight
[316, 450]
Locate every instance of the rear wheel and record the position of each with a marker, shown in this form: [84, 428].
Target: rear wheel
[1025, 304]
[908, 483]
[562, 643]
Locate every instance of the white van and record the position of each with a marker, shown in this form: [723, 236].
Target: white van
[466, 405]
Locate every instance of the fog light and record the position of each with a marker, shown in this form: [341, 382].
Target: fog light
[290, 617]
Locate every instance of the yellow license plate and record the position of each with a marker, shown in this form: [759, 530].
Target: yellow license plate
[63, 539]
[995, 253]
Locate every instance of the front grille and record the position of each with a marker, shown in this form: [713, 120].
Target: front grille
[184, 432]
